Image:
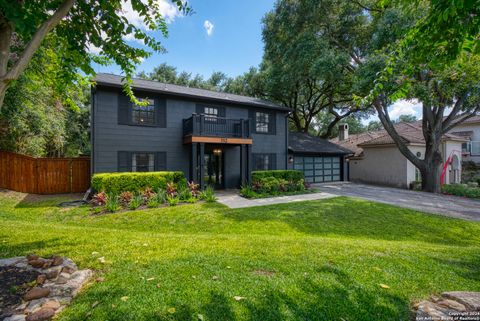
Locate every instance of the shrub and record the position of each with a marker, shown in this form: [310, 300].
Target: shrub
[288, 175]
[461, 190]
[126, 197]
[134, 182]
[172, 201]
[112, 205]
[194, 189]
[135, 202]
[161, 196]
[148, 194]
[184, 193]
[99, 199]
[153, 202]
[171, 190]
[208, 195]
[247, 192]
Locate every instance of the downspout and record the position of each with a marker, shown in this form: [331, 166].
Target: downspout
[92, 127]
[286, 140]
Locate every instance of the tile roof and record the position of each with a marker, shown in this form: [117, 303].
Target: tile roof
[304, 143]
[410, 132]
[182, 91]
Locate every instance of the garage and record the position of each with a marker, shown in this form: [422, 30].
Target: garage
[319, 160]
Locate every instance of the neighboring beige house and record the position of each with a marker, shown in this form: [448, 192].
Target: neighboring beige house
[470, 129]
[377, 160]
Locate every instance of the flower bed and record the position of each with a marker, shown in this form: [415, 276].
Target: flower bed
[132, 191]
[275, 183]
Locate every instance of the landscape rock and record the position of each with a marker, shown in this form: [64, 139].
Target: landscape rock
[53, 272]
[41, 279]
[35, 305]
[10, 261]
[57, 260]
[38, 263]
[36, 293]
[32, 257]
[52, 304]
[470, 299]
[15, 317]
[41, 315]
[457, 305]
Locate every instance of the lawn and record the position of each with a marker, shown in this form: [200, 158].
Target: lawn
[316, 260]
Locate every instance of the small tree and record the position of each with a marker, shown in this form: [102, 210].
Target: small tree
[81, 26]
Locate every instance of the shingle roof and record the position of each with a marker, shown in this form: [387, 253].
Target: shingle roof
[176, 90]
[410, 132]
[304, 143]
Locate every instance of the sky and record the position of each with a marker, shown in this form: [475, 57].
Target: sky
[223, 35]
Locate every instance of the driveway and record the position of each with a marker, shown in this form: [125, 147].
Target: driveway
[458, 207]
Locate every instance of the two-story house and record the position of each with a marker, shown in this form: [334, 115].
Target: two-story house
[214, 138]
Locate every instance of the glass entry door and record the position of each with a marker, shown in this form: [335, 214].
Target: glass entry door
[214, 168]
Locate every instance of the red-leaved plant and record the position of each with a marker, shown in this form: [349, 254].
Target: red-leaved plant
[194, 189]
[126, 197]
[171, 190]
[148, 193]
[99, 199]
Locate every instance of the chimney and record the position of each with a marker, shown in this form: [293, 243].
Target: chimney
[342, 131]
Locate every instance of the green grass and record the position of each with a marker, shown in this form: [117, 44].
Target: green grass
[316, 260]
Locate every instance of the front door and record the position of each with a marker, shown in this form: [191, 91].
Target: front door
[214, 168]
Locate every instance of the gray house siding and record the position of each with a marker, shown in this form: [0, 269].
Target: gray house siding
[109, 137]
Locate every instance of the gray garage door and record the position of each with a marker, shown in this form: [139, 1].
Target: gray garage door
[318, 169]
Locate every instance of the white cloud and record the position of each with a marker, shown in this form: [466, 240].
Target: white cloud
[208, 27]
[405, 107]
[93, 49]
[168, 10]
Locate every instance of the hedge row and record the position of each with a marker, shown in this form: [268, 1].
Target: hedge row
[134, 182]
[461, 190]
[288, 175]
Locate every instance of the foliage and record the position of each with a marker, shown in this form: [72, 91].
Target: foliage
[136, 202]
[135, 182]
[183, 193]
[125, 197]
[153, 202]
[208, 195]
[267, 186]
[113, 204]
[148, 194]
[99, 199]
[172, 200]
[88, 32]
[316, 250]
[161, 196]
[288, 175]
[461, 190]
[40, 118]
[171, 190]
[194, 189]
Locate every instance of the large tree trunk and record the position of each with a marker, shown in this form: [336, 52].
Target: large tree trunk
[431, 177]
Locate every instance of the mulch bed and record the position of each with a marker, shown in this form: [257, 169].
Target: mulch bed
[14, 283]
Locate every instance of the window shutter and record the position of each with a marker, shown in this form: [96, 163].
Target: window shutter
[161, 112]
[251, 116]
[124, 109]
[272, 161]
[254, 161]
[221, 112]
[272, 126]
[200, 109]
[124, 161]
[160, 161]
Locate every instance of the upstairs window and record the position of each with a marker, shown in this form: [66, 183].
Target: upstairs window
[143, 162]
[144, 115]
[211, 113]
[262, 122]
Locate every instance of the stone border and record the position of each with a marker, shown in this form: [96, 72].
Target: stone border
[456, 305]
[57, 284]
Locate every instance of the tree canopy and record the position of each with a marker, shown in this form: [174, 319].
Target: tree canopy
[80, 27]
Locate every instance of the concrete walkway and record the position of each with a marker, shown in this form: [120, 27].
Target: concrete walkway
[453, 206]
[232, 199]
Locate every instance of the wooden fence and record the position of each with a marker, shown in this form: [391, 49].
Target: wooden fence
[44, 175]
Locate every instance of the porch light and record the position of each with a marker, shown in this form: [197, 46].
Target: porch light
[217, 151]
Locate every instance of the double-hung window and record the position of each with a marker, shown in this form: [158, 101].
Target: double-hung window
[143, 162]
[144, 115]
[211, 113]
[264, 162]
[262, 122]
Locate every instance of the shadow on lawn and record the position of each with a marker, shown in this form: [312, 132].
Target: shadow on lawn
[342, 299]
[357, 218]
[37, 201]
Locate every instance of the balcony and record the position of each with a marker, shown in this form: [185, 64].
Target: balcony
[207, 129]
